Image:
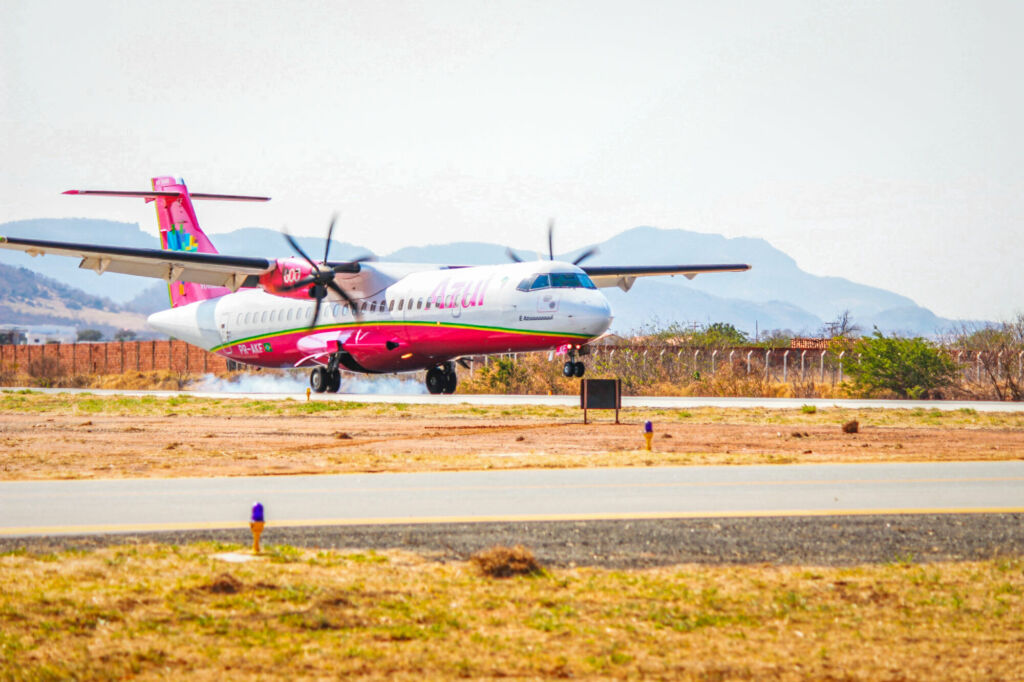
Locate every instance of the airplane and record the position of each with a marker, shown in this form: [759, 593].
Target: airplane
[359, 315]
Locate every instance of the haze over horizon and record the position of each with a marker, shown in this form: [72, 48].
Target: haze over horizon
[877, 142]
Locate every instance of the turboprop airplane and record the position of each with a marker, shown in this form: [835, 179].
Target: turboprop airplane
[358, 315]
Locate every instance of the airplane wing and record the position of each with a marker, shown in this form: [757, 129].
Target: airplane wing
[624, 276]
[172, 266]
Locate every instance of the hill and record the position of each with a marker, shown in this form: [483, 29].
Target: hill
[27, 297]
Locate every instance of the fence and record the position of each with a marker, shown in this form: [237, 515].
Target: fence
[115, 358]
[792, 364]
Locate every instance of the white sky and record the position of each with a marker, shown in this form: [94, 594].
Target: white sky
[875, 141]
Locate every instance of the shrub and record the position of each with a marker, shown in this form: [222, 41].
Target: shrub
[505, 562]
[910, 368]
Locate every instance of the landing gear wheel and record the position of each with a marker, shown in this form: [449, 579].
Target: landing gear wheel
[333, 381]
[318, 379]
[436, 380]
[450, 382]
[578, 369]
[568, 369]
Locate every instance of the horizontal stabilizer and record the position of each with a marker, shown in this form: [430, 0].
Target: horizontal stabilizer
[150, 195]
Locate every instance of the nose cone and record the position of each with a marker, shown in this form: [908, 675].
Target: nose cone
[592, 315]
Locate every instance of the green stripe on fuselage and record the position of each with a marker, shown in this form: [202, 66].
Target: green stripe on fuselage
[393, 323]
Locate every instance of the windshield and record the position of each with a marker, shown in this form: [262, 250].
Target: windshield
[557, 280]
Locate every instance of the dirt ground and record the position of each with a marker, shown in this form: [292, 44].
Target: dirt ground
[61, 446]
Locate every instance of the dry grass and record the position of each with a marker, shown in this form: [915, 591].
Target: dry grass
[156, 611]
[82, 436]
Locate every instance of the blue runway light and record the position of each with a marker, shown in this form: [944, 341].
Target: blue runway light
[648, 427]
[257, 512]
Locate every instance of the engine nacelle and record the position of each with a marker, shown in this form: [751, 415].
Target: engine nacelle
[288, 272]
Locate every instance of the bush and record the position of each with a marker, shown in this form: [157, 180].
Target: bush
[910, 368]
[505, 562]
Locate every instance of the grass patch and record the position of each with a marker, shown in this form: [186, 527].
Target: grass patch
[164, 611]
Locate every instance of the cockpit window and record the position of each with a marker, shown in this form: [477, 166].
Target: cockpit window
[558, 280]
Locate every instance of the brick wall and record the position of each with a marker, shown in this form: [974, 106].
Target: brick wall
[116, 357]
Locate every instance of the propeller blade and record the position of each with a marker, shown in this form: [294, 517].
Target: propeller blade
[346, 267]
[551, 239]
[512, 255]
[298, 249]
[330, 231]
[341, 292]
[585, 255]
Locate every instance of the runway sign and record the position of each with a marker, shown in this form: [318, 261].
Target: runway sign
[601, 394]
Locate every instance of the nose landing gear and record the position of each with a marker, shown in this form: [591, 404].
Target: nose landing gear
[573, 367]
[442, 379]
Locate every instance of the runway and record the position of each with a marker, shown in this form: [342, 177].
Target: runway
[653, 402]
[32, 508]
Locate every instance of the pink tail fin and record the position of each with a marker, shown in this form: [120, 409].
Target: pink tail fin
[180, 231]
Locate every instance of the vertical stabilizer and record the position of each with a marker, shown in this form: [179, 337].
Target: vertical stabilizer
[179, 231]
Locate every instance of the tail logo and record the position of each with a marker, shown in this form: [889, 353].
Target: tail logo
[180, 240]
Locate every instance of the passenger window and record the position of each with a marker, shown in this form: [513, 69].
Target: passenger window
[419, 304]
[362, 308]
[391, 305]
[344, 311]
[427, 306]
[400, 302]
[263, 317]
[373, 307]
[240, 318]
[248, 318]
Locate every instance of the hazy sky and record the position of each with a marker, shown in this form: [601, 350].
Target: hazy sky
[875, 141]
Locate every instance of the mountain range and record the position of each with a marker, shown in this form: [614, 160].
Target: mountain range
[774, 295]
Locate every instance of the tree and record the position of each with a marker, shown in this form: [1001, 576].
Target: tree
[124, 335]
[910, 368]
[89, 335]
[719, 334]
[842, 327]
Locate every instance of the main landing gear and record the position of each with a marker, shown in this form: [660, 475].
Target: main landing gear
[326, 379]
[442, 379]
[323, 379]
[573, 367]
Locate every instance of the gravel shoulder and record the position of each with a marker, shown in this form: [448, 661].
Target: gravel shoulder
[824, 541]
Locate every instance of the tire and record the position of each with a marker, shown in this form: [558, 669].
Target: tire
[578, 370]
[318, 379]
[450, 382]
[333, 381]
[436, 381]
[568, 369]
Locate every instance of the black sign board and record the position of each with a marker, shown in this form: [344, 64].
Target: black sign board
[601, 394]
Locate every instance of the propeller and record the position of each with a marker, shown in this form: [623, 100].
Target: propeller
[322, 277]
[551, 248]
